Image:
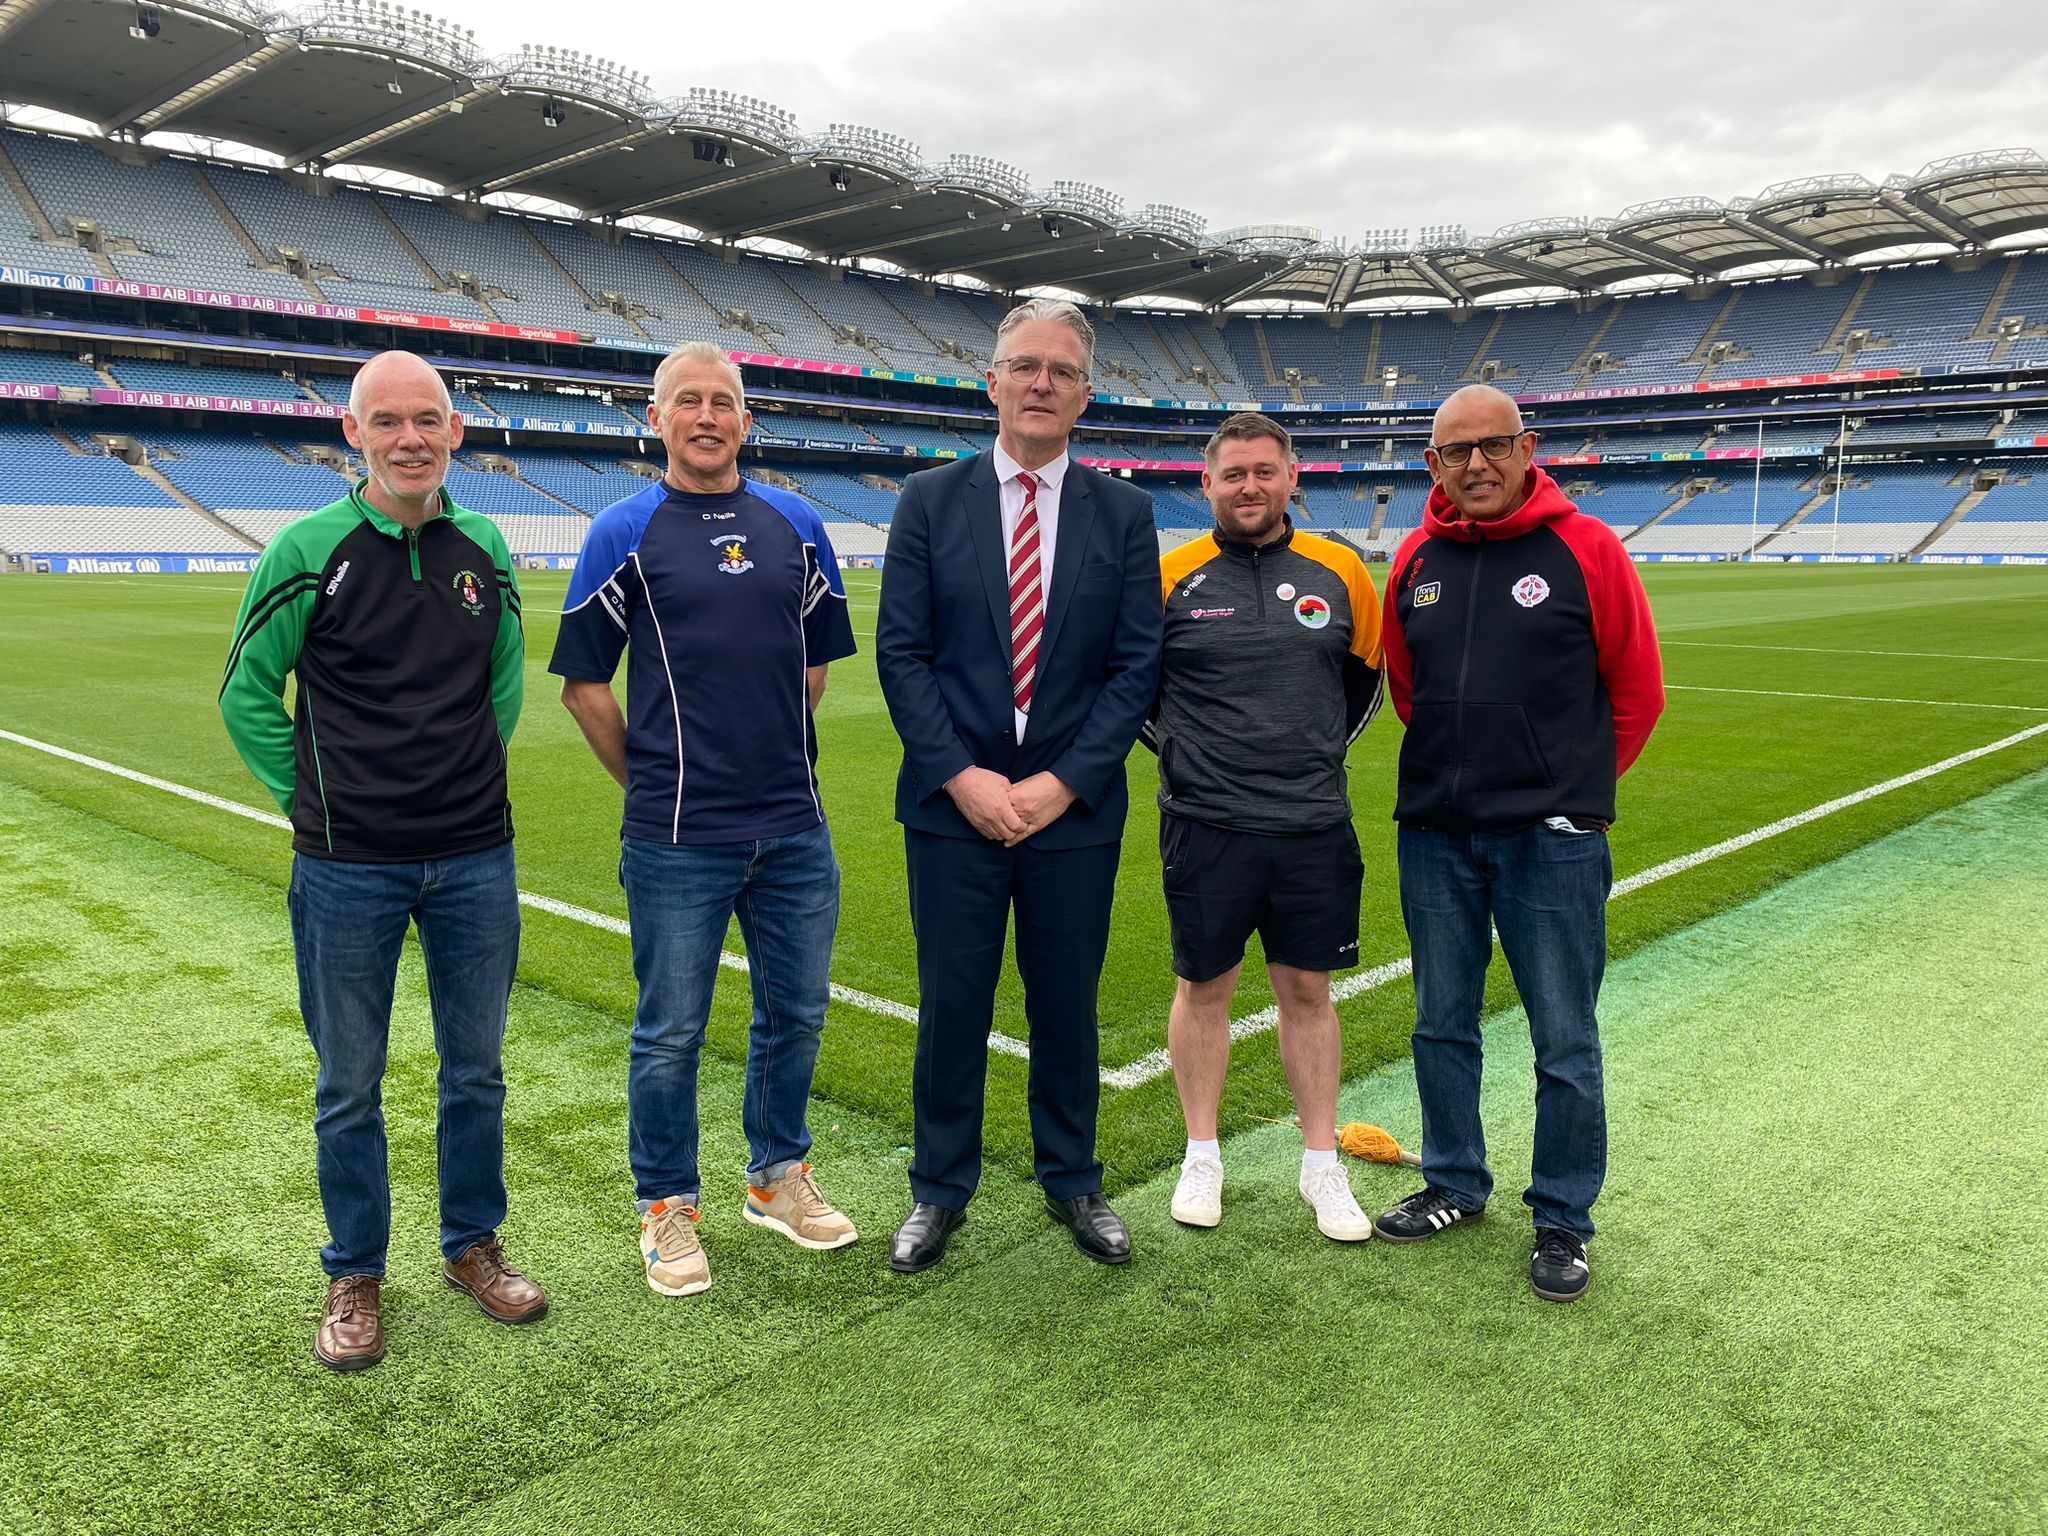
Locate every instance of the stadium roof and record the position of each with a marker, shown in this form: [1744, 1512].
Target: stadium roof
[364, 83]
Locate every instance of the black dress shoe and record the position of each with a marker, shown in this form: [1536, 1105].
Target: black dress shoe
[1098, 1231]
[921, 1240]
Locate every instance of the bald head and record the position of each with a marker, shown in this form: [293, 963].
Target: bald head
[401, 420]
[393, 371]
[1477, 410]
[1479, 452]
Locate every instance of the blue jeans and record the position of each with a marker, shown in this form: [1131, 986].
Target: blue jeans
[348, 925]
[1546, 891]
[680, 898]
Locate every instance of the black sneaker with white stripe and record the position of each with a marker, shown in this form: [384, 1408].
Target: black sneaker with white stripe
[1558, 1268]
[1423, 1214]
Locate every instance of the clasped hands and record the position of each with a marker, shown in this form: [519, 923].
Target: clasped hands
[1008, 813]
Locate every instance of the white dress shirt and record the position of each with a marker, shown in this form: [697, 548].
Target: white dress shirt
[1010, 494]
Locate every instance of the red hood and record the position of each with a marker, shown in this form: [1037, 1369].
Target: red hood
[1542, 502]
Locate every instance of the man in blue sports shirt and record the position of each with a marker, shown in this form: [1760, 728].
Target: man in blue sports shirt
[724, 596]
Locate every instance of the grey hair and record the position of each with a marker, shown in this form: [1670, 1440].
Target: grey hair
[1051, 309]
[699, 352]
[355, 385]
[1476, 392]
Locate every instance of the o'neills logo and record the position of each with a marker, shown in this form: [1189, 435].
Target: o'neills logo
[339, 572]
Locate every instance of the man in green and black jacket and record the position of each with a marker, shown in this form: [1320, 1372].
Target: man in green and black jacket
[398, 613]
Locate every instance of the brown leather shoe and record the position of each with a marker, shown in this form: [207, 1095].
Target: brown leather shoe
[351, 1336]
[506, 1295]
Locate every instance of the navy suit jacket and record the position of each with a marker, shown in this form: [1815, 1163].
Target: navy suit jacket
[942, 646]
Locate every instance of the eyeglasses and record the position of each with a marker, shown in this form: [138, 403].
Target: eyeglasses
[1023, 370]
[1458, 455]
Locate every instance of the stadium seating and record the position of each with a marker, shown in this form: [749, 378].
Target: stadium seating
[18, 365]
[177, 235]
[174, 218]
[846, 497]
[36, 466]
[905, 434]
[658, 304]
[1887, 513]
[1625, 501]
[1779, 327]
[1675, 439]
[590, 482]
[361, 247]
[230, 473]
[789, 427]
[1718, 519]
[520, 285]
[202, 379]
[2011, 520]
[1969, 428]
[18, 242]
[1652, 338]
[551, 405]
[57, 501]
[1925, 314]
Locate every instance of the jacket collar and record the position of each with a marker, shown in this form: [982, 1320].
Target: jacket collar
[1542, 502]
[379, 521]
[1244, 551]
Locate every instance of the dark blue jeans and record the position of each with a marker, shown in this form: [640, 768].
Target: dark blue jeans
[348, 925]
[1546, 891]
[680, 898]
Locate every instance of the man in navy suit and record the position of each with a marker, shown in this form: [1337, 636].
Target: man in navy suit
[1018, 647]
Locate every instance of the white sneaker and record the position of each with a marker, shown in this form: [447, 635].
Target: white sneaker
[1198, 1197]
[1338, 1217]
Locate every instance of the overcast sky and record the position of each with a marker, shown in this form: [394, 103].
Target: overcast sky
[1354, 117]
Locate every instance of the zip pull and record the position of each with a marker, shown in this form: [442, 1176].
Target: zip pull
[412, 545]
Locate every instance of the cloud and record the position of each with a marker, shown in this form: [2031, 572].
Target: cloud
[1351, 116]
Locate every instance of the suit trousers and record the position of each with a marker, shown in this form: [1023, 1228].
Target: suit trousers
[962, 893]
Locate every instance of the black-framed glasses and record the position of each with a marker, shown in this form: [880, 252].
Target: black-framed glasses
[1023, 370]
[1458, 455]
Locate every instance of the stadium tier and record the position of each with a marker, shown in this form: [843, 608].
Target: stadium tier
[72, 206]
[19, 364]
[200, 379]
[66, 494]
[172, 219]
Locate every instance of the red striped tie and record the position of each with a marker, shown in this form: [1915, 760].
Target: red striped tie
[1027, 597]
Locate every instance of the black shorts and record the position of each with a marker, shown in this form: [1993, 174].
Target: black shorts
[1299, 894]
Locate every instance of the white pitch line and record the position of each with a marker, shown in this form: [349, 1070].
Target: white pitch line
[866, 1002]
[1155, 1063]
[1735, 844]
[1148, 1067]
[1854, 698]
[1830, 650]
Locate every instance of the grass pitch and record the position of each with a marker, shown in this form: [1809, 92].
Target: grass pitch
[1841, 678]
[1818, 1306]
[1819, 1285]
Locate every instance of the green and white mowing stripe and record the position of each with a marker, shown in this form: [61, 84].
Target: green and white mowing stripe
[547, 904]
[1154, 1064]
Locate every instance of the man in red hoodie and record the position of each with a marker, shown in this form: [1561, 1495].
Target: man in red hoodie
[1521, 657]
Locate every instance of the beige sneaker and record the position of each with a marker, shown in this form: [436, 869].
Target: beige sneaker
[676, 1265]
[793, 1206]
